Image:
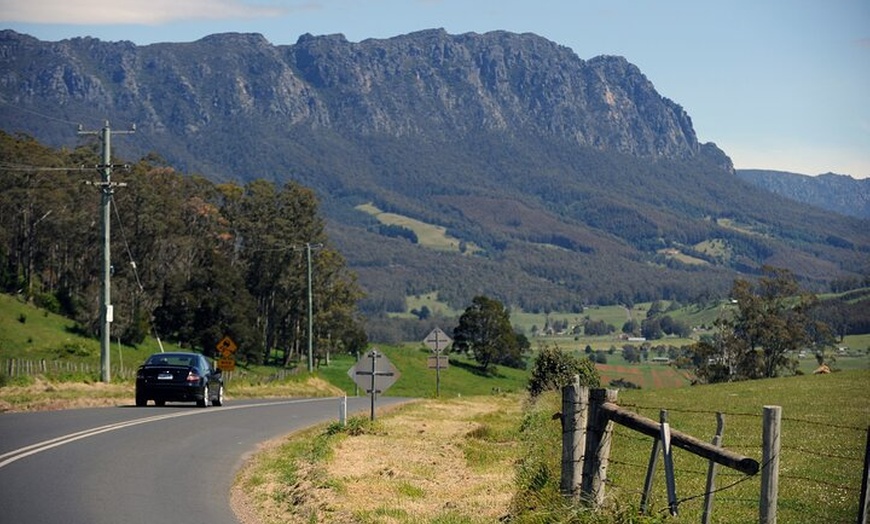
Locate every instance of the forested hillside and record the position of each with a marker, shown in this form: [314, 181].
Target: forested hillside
[192, 261]
[838, 193]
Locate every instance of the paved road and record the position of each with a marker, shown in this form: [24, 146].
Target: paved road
[136, 465]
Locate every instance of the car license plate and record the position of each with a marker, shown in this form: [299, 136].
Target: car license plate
[164, 376]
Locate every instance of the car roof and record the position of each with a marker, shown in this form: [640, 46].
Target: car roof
[175, 354]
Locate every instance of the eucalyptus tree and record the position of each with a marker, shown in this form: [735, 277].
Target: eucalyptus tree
[485, 332]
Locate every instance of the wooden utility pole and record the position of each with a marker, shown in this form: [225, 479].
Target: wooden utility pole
[107, 188]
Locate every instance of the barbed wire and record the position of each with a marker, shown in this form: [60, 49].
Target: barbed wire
[726, 487]
[742, 414]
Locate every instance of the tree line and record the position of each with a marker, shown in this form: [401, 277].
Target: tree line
[192, 260]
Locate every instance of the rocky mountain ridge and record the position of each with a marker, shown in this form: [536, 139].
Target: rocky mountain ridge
[428, 83]
[576, 181]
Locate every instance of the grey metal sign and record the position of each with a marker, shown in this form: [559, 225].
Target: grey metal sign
[375, 374]
[437, 340]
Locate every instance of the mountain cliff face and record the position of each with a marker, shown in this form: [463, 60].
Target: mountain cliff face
[426, 83]
[564, 180]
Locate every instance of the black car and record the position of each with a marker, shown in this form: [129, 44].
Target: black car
[179, 377]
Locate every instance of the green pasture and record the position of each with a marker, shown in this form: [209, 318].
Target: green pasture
[825, 419]
[428, 235]
[30, 333]
[462, 377]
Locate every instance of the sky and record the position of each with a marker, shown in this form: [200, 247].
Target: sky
[776, 84]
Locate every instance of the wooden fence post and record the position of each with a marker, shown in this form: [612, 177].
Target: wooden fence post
[668, 455]
[711, 471]
[598, 439]
[575, 407]
[865, 484]
[770, 441]
[650, 474]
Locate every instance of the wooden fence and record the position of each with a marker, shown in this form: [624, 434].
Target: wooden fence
[588, 417]
[587, 426]
[17, 367]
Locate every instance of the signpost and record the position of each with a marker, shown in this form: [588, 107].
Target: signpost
[437, 341]
[375, 374]
[227, 361]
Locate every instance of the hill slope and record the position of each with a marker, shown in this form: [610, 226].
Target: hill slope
[578, 181]
[838, 193]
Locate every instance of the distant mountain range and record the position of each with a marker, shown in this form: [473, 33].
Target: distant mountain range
[838, 193]
[549, 180]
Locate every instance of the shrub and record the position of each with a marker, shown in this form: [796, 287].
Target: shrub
[554, 369]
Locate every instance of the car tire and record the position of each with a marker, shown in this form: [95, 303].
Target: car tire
[203, 402]
[141, 401]
[219, 399]
[160, 403]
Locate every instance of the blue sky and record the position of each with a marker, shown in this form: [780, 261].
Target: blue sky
[777, 84]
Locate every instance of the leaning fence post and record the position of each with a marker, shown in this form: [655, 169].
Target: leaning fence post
[770, 441]
[597, 455]
[650, 473]
[711, 471]
[575, 407]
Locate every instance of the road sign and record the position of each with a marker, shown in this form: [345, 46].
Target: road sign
[437, 340]
[374, 373]
[227, 364]
[438, 362]
[226, 346]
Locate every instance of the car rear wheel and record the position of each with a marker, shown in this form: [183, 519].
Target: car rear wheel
[141, 401]
[203, 402]
[219, 399]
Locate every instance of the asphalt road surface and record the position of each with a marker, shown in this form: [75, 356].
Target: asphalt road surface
[128, 465]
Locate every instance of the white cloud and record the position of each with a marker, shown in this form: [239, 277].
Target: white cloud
[151, 12]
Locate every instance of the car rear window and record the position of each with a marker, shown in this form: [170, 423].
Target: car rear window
[171, 360]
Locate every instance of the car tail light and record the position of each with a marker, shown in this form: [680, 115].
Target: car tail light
[192, 377]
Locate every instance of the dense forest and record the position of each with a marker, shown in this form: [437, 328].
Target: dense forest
[192, 260]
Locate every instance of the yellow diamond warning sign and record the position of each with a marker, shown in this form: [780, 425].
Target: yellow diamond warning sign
[226, 346]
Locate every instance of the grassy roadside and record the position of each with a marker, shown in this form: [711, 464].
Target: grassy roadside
[444, 461]
[489, 459]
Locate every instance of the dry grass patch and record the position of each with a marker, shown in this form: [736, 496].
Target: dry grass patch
[43, 394]
[309, 387]
[421, 463]
[46, 395]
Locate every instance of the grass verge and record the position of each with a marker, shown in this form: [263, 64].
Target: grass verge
[489, 459]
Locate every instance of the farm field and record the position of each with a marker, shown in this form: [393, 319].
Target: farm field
[646, 376]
